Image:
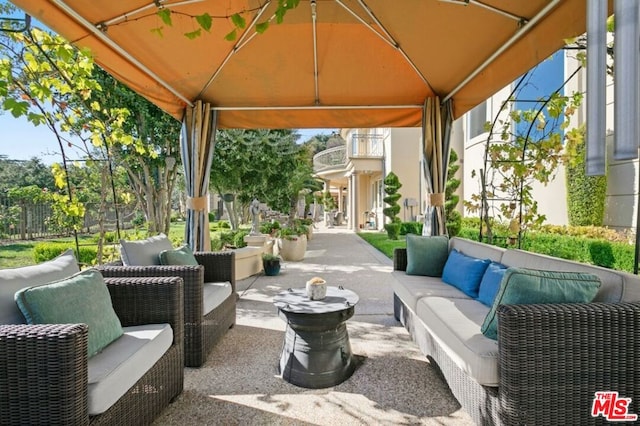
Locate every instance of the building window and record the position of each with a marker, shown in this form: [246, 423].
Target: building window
[477, 121]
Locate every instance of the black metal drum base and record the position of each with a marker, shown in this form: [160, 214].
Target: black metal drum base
[317, 353]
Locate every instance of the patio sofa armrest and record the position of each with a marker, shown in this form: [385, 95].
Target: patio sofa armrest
[219, 266]
[43, 379]
[554, 357]
[192, 277]
[400, 259]
[149, 300]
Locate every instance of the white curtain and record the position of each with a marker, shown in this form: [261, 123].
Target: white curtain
[197, 142]
[437, 120]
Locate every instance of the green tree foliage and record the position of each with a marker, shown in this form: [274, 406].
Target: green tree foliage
[263, 164]
[16, 174]
[453, 217]
[391, 186]
[586, 195]
[151, 177]
[49, 82]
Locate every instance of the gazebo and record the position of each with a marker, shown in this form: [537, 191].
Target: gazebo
[315, 63]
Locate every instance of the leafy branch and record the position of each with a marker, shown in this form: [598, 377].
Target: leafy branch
[205, 20]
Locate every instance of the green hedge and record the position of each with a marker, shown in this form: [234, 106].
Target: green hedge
[47, 251]
[618, 255]
[411, 228]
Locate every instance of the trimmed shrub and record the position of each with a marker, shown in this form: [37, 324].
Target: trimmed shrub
[391, 186]
[411, 228]
[47, 251]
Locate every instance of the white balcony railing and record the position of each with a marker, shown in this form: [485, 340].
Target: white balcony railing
[366, 145]
[332, 158]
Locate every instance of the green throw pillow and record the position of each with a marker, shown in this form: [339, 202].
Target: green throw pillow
[529, 286]
[427, 255]
[179, 256]
[81, 298]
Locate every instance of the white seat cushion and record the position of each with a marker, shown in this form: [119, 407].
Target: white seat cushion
[455, 325]
[214, 294]
[120, 365]
[410, 288]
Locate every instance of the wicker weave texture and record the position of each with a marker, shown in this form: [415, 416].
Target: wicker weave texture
[200, 333]
[554, 357]
[44, 378]
[552, 360]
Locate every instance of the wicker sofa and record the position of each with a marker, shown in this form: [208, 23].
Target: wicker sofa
[548, 360]
[47, 377]
[209, 298]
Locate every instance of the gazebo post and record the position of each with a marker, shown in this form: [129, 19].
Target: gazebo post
[197, 142]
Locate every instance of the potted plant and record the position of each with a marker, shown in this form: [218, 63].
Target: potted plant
[271, 264]
[292, 241]
[309, 224]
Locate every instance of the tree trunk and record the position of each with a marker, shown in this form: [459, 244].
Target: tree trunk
[233, 217]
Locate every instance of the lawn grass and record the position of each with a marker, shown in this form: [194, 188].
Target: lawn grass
[16, 254]
[381, 242]
[20, 253]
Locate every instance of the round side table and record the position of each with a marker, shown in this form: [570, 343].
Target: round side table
[316, 351]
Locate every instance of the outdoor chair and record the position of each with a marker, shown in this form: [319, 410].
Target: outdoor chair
[209, 291]
[50, 375]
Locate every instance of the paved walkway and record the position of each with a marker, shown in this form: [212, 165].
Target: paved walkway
[340, 257]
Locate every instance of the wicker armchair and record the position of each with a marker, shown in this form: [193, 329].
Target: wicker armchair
[201, 331]
[44, 376]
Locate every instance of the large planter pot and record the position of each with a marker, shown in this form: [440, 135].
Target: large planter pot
[293, 248]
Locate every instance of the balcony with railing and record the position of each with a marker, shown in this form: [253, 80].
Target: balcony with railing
[330, 159]
[363, 145]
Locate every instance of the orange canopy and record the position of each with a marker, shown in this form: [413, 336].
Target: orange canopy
[331, 63]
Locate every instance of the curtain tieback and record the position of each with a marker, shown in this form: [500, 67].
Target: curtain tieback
[436, 199]
[197, 203]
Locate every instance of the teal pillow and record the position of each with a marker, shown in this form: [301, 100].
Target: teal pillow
[490, 283]
[179, 256]
[81, 298]
[529, 286]
[464, 272]
[426, 255]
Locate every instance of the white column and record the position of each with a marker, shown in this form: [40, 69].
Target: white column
[355, 185]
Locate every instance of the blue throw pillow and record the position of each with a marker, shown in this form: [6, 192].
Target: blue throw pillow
[426, 255]
[490, 283]
[464, 272]
[529, 286]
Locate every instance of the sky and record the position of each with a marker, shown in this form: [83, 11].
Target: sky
[20, 140]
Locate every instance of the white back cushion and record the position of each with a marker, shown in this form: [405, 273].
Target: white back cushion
[12, 280]
[144, 252]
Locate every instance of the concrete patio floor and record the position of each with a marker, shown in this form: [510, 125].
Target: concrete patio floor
[394, 384]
